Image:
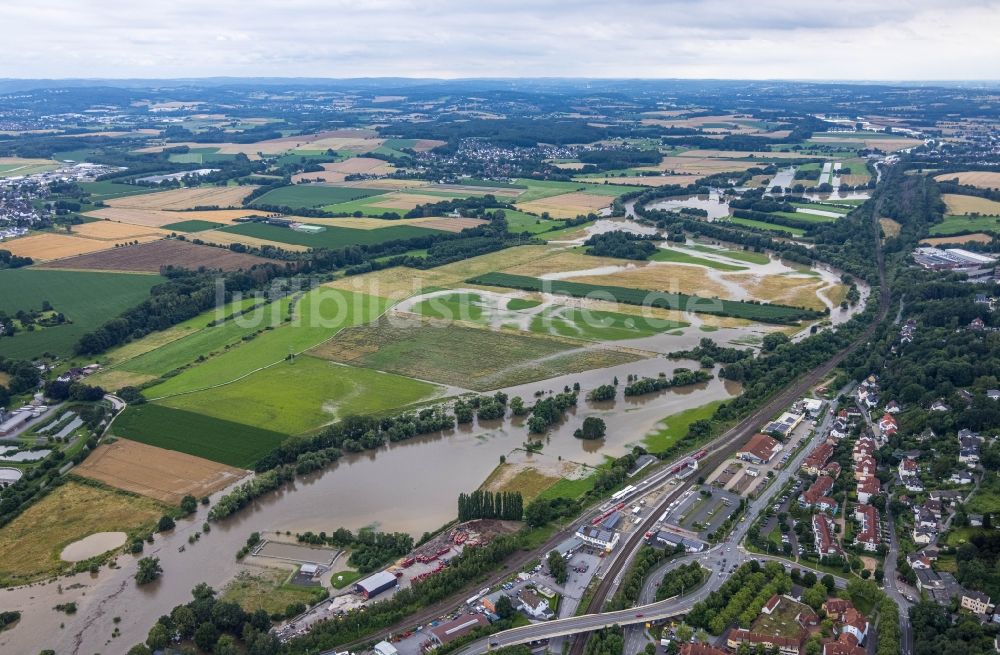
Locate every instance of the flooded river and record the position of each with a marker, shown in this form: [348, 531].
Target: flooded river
[410, 486]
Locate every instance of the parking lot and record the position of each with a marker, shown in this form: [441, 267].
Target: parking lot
[702, 510]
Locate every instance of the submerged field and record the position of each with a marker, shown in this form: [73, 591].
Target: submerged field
[465, 357]
[32, 542]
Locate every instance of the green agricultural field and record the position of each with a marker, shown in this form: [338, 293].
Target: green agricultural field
[804, 218]
[737, 309]
[319, 315]
[87, 299]
[206, 340]
[961, 224]
[760, 225]
[538, 189]
[521, 222]
[331, 237]
[27, 167]
[235, 444]
[109, 190]
[303, 394]
[748, 256]
[466, 357]
[681, 257]
[191, 226]
[673, 428]
[313, 195]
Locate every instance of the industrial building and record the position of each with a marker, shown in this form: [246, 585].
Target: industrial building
[761, 449]
[375, 584]
[452, 630]
[973, 264]
[672, 540]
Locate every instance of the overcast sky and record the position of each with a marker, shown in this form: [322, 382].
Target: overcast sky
[847, 39]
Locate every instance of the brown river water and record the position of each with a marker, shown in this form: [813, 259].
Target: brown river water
[409, 486]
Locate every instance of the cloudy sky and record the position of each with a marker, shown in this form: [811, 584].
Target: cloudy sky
[848, 39]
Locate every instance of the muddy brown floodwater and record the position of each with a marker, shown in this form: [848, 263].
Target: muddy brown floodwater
[410, 486]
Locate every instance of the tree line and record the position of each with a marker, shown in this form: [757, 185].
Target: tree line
[485, 504]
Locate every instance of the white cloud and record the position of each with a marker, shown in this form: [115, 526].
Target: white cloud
[851, 39]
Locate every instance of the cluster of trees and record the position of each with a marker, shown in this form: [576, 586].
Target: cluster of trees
[472, 207]
[607, 641]
[641, 566]
[370, 550]
[611, 159]
[215, 626]
[622, 245]
[603, 392]
[23, 377]
[681, 580]
[936, 632]
[485, 504]
[549, 411]
[866, 593]
[740, 597]
[149, 570]
[8, 260]
[30, 320]
[557, 566]
[472, 565]
[681, 378]
[8, 619]
[593, 428]
[79, 391]
[542, 511]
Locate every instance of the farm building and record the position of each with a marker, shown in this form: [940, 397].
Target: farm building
[452, 630]
[375, 584]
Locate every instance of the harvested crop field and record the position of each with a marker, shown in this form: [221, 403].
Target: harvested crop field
[356, 165]
[965, 238]
[17, 166]
[163, 475]
[220, 238]
[32, 542]
[188, 198]
[886, 145]
[889, 227]
[112, 231]
[48, 246]
[567, 205]
[159, 218]
[981, 179]
[690, 165]
[488, 359]
[151, 257]
[958, 204]
[405, 201]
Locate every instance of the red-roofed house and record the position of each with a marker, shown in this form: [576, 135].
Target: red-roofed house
[888, 425]
[868, 536]
[865, 468]
[785, 645]
[700, 649]
[907, 468]
[826, 540]
[771, 604]
[817, 495]
[817, 459]
[868, 488]
[760, 449]
[832, 469]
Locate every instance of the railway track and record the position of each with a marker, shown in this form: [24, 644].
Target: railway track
[724, 447]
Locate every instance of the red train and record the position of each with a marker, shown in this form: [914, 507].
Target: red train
[608, 513]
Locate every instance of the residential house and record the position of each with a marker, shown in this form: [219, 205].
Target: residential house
[534, 605]
[868, 488]
[832, 469]
[993, 394]
[863, 447]
[924, 536]
[907, 468]
[825, 536]
[866, 467]
[976, 520]
[893, 407]
[835, 608]
[605, 539]
[976, 602]
[940, 406]
[887, 425]
[868, 536]
[817, 459]
[817, 495]
[784, 645]
[700, 649]
[918, 561]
